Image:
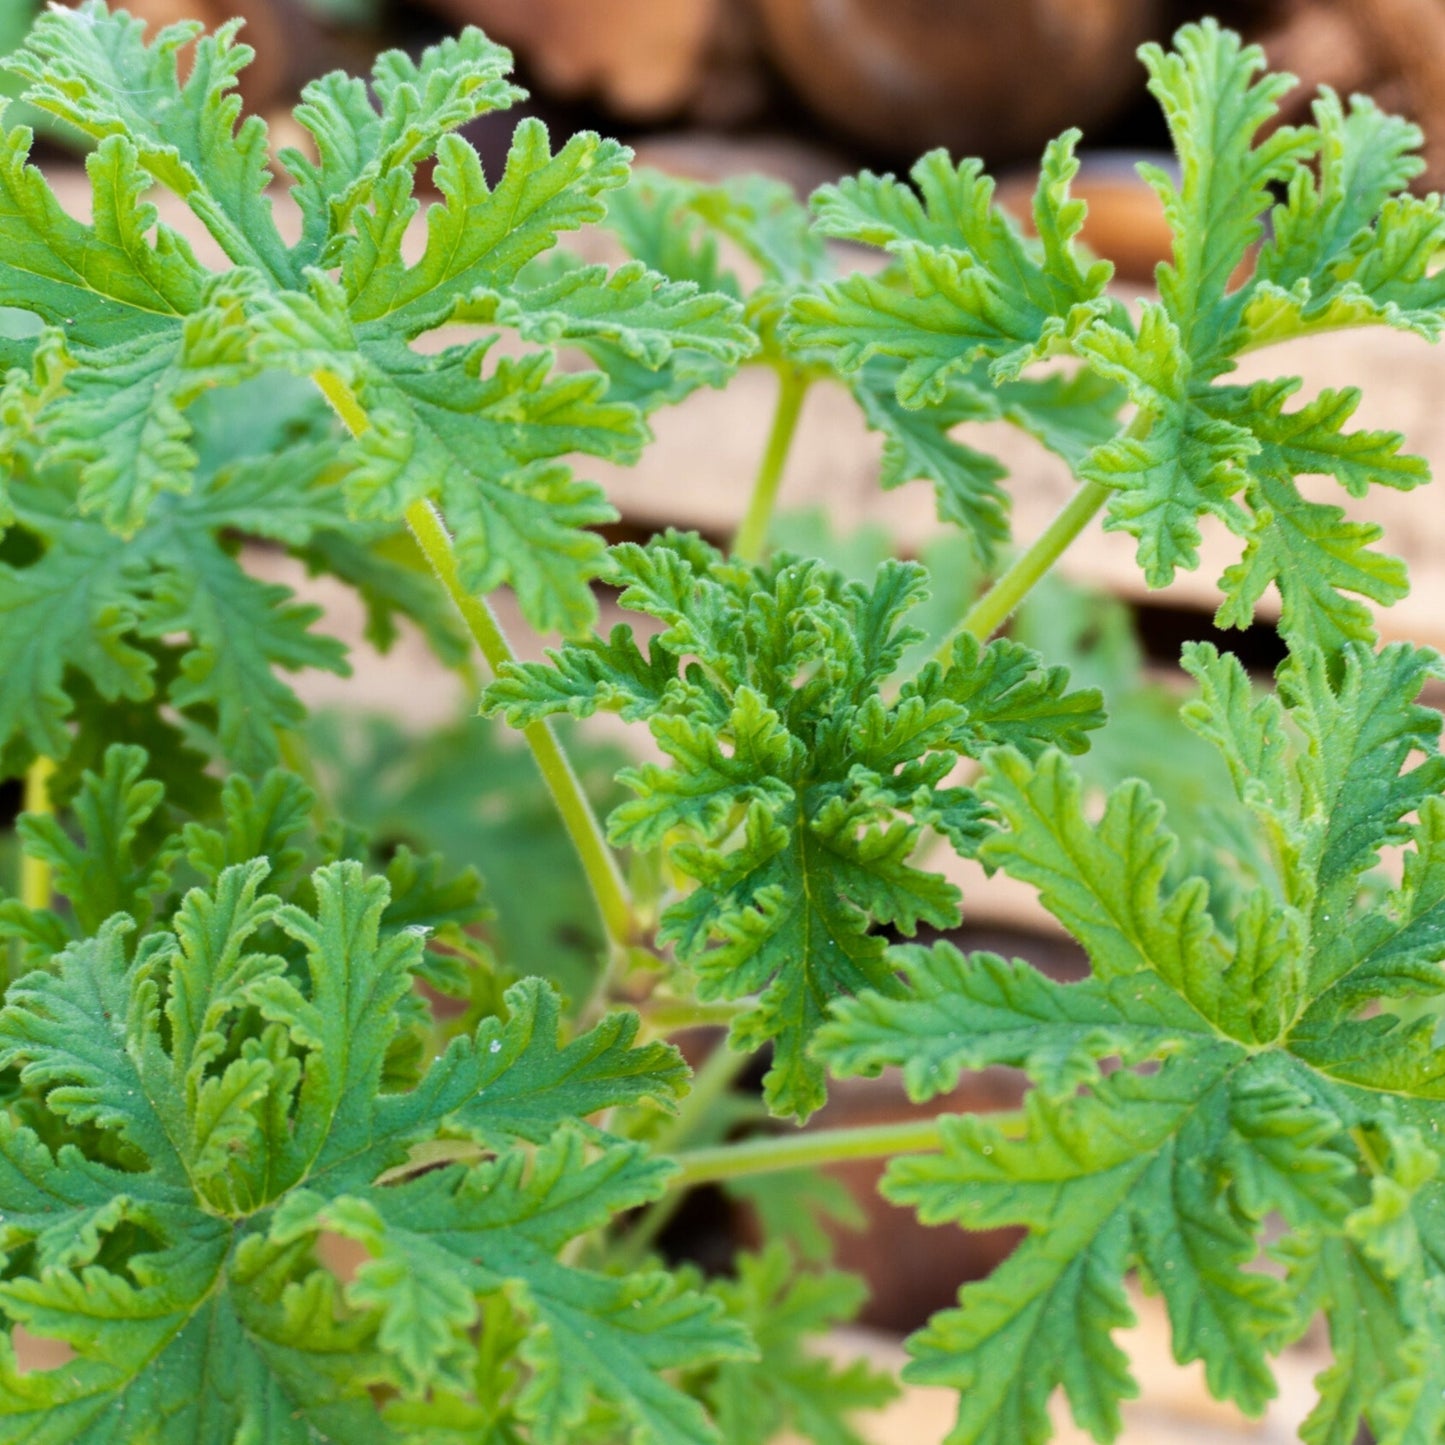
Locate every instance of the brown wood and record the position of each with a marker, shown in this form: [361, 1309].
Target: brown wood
[267, 31]
[1407, 38]
[976, 76]
[1125, 222]
[640, 58]
[1321, 45]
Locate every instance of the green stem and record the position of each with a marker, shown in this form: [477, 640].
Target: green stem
[752, 538]
[996, 605]
[599, 863]
[666, 1015]
[1373, 1162]
[807, 1150]
[35, 881]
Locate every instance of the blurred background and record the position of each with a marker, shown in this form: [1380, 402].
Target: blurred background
[811, 89]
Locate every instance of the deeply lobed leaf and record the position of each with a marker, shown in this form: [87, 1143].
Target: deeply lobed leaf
[236, 1059]
[965, 296]
[795, 795]
[1217, 1069]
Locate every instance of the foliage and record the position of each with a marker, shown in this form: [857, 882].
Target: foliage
[778, 728]
[298, 1139]
[137, 330]
[1249, 1083]
[469, 792]
[222, 1091]
[674, 226]
[962, 296]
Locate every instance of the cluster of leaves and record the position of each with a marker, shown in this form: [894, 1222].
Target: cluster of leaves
[796, 793]
[1271, 1061]
[675, 227]
[123, 507]
[963, 300]
[470, 791]
[212, 1087]
[262, 1188]
[233, 1182]
[1257, 1044]
[111, 634]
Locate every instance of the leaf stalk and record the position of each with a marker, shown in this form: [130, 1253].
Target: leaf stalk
[36, 885]
[599, 863]
[750, 544]
[1030, 567]
[812, 1148]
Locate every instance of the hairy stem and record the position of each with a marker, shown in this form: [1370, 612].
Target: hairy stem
[775, 1153]
[996, 605]
[35, 881]
[752, 538]
[599, 863]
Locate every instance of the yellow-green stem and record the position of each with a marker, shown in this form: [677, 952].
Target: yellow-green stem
[710, 1083]
[812, 1148]
[996, 605]
[751, 542]
[599, 863]
[35, 881]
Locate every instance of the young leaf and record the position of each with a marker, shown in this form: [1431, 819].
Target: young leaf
[98, 604]
[148, 329]
[965, 298]
[800, 792]
[1212, 1072]
[966, 286]
[1349, 226]
[674, 226]
[101, 873]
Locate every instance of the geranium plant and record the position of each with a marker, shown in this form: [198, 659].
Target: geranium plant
[290, 1152]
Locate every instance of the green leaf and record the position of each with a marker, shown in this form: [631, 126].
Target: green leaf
[93, 601]
[966, 1013]
[1309, 550]
[965, 285]
[479, 238]
[656, 219]
[917, 445]
[1215, 107]
[965, 304]
[421, 101]
[794, 796]
[483, 443]
[1225, 1063]
[1187, 465]
[101, 873]
[104, 283]
[789, 1387]
[149, 329]
[1131, 1169]
[1346, 249]
[94, 71]
[1070, 416]
[245, 1092]
[632, 309]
